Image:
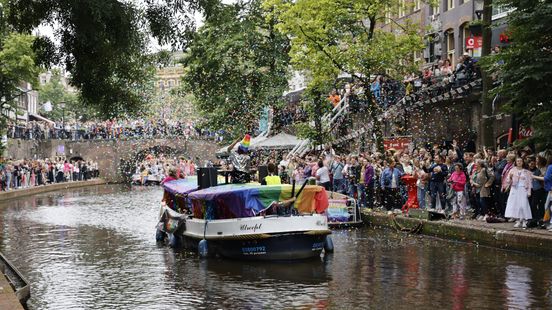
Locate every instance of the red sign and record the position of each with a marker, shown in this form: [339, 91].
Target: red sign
[397, 143]
[474, 42]
[524, 133]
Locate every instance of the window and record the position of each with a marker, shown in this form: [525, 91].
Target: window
[450, 4]
[387, 16]
[171, 83]
[161, 84]
[417, 5]
[450, 47]
[434, 10]
[464, 34]
[402, 9]
[500, 11]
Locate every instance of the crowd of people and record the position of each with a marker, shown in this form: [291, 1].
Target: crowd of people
[434, 80]
[155, 170]
[111, 129]
[488, 186]
[16, 174]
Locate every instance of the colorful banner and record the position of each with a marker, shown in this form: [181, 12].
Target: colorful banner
[399, 143]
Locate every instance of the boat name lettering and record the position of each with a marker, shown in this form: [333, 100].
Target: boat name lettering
[321, 223]
[254, 250]
[317, 246]
[254, 228]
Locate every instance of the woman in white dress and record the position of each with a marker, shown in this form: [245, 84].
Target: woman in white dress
[519, 183]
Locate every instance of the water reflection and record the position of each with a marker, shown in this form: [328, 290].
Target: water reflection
[94, 248]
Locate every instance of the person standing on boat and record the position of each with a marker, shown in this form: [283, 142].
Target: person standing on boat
[240, 160]
[272, 178]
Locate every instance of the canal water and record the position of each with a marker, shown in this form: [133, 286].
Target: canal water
[95, 248]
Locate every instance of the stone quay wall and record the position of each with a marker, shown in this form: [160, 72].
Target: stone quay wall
[109, 153]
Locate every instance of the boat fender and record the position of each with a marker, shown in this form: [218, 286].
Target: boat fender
[160, 235]
[174, 241]
[328, 245]
[203, 248]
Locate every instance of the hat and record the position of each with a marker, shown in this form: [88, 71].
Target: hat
[466, 54]
[244, 144]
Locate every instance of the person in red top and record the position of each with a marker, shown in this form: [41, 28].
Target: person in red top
[458, 182]
[334, 98]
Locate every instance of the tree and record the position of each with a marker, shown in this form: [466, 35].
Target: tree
[236, 64]
[330, 37]
[104, 43]
[17, 64]
[525, 67]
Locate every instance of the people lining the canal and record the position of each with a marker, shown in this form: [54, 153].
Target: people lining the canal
[16, 174]
[110, 129]
[156, 169]
[462, 183]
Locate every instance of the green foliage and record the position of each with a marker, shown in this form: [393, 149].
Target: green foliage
[236, 64]
[17, 64]
[332, 37]
[525, 67]
[103, 44]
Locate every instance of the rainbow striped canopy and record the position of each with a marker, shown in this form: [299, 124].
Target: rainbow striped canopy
[246, 200]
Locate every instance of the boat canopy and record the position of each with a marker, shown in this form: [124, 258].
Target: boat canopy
[181, 186]
[247, 200]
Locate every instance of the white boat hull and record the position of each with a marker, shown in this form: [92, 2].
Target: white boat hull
[258, 238]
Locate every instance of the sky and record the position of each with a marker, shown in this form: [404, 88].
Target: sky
[48, 30]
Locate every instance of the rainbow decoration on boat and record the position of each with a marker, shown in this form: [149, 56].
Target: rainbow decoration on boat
[247, 200]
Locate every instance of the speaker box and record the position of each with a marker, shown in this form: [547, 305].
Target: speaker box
[263, 172]
[206, 177]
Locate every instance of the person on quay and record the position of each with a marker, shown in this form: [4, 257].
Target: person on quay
[482, 183]
[390, 184]
[458, 182]
[518, 182]
[323, 175]
[438, 172]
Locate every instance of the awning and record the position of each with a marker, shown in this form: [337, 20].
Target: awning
[40, 118]
[280, 141]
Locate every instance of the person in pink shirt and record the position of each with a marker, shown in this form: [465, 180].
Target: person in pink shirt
[458, 182]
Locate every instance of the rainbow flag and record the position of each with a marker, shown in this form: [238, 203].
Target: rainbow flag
[246, 200]
[245, 143]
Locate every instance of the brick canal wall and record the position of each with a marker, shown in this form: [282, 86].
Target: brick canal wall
[110, 154]
[500, 235]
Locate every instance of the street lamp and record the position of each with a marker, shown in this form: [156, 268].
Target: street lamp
[62, 107]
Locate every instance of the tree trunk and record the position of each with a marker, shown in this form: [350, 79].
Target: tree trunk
[318, 118]
[487, 129]
[374, 111]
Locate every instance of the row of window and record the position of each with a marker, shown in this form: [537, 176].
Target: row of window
[168, 84]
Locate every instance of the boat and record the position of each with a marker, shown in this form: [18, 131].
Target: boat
[343, 211]
[153, 179]
[246, 221]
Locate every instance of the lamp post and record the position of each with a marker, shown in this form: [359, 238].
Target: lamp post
[62, 107]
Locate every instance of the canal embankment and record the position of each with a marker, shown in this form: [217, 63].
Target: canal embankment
[24, 192]
[8, 298]
[497, 235]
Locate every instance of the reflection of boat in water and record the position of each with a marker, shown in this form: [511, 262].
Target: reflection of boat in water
[303, 272]
[246, 221]
[343, 211]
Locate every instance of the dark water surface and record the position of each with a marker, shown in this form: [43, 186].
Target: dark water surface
[94, 248]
